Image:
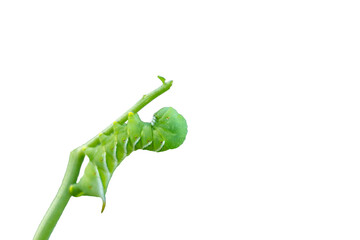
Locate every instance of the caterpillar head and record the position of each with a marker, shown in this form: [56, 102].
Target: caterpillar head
[172, 127]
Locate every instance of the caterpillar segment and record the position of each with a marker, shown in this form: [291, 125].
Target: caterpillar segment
[167, 131]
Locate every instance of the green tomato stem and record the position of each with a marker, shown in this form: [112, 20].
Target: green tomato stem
[62, 197]
[146, 99]
[76, 159]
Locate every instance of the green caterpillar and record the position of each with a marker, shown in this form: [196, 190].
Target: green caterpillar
[108, 149]
[167, 130]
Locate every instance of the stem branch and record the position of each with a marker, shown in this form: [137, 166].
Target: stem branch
[146, 99]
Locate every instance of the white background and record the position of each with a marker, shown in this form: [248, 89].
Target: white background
[270, 91]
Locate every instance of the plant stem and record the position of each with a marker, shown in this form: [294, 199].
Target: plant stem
[146, 99]
[76, 159]
[62, 197]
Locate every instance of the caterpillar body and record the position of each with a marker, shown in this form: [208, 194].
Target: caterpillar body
[167, 130]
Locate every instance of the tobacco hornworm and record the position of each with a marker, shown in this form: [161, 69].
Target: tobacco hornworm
[167, 130]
